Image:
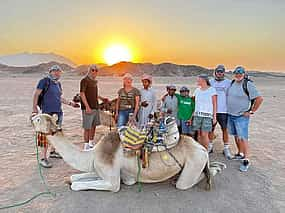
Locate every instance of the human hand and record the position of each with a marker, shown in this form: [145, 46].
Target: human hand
[246, 114]
[35, 110]
[189, 122]
[88, 110]
[169, 111]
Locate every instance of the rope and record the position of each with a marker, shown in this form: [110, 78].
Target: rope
[47, 192]
[139, 174]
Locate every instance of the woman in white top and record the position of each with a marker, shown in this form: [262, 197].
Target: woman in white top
[205, 109]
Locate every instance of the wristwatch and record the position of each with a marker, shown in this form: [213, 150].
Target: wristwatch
[251, 112]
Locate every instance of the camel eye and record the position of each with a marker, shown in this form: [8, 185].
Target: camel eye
[38, 120]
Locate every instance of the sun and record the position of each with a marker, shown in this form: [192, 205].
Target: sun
[117, 53]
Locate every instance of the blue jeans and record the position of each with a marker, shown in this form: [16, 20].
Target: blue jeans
[185, 128]
[238, 126]
[123, 117]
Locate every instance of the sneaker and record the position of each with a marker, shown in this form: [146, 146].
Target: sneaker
[45, 163]
[86, 147]
[244, 166]
[54, 154]
[238, 156]
[227, 153]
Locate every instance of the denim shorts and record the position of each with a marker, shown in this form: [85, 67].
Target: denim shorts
[185, 128]
[238, 126]
[204, 124]
[123, 117]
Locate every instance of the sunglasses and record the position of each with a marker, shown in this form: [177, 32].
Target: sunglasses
[219, 71]
[239, 72]
[94, 70]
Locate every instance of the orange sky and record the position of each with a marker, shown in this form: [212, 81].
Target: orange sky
[250, 33]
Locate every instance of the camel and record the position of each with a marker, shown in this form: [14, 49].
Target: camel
[106, 166]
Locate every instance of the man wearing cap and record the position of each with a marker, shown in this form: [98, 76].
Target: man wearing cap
[221, 84]
[239, 112]
[148, 101]
[186, 108]
[170, 102]
[51, 92]
[89, 106]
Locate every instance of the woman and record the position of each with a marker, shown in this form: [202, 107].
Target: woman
[205, 109]
[127, 102]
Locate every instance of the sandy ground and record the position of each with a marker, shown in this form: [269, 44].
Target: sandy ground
[261, 189]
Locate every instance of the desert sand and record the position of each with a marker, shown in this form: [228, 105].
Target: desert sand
[261, 189]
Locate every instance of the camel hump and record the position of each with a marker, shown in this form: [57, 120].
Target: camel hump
[110, 143]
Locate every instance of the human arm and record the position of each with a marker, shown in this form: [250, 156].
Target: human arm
[35, 100]
[117, 108]
[214, 100]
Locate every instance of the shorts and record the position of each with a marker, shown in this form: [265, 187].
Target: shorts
[204, 124]
[238, 126]
[90, 120]
[222, 119]
[186, 128]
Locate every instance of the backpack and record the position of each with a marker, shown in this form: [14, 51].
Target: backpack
[245, 89]
[44, 91]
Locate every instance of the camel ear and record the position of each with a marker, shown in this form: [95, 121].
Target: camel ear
[55, 117]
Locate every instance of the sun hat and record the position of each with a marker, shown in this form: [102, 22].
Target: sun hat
[172, 87]
[146, 77]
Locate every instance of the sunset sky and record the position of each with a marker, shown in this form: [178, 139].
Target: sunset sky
[203, 32]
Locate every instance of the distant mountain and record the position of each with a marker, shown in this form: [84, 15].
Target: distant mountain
[41, 68]
[137, 69]
[33, 59]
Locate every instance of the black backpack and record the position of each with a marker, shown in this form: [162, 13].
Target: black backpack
[44, 91]
[245, 89]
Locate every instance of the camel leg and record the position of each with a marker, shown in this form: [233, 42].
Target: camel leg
[192, 170]
[101, 185]
[128, 179]
[82, 176]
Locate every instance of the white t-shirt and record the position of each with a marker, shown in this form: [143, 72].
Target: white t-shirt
[204, 102]
[222, 90]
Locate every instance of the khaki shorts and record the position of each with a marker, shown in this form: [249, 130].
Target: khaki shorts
[202, 123]
[90, 120]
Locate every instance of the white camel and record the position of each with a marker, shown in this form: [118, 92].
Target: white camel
[106, 165]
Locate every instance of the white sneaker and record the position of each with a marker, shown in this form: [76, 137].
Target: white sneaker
[86, 147]
[227, 153]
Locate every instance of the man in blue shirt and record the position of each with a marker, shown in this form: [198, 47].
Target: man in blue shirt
[51, 91]
[240, 110]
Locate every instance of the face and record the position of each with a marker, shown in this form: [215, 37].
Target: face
[200, 81]
[171, 92]
[56, 73]
[146, 83]
[127, 82]
[93, 72]
[239, 76]
[184, 93]
[220, 74]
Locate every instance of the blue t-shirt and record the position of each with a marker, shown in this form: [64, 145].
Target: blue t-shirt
[52, 97]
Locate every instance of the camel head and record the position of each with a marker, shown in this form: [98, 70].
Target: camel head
[44, 123]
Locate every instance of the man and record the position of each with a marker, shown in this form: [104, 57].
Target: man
[148, 101]
[49, 88]
[89, 106]
[221, 84]
[240, 95]
[186, 108]
[170, 102]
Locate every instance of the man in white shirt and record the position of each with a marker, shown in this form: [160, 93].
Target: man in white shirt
[221, 84]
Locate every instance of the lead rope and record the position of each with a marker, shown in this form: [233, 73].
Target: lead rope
[47, 192]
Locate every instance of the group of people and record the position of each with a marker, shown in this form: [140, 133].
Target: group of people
[219, 100]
